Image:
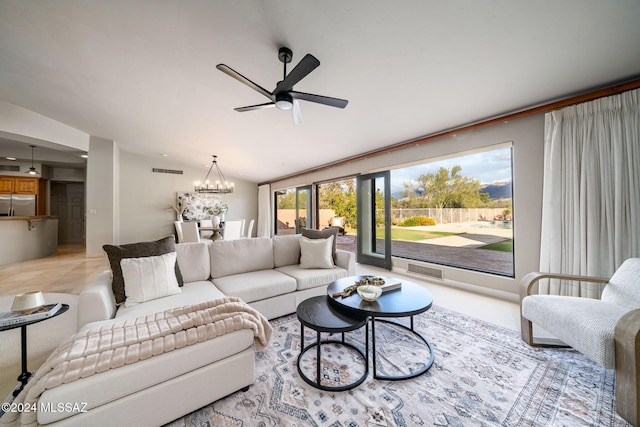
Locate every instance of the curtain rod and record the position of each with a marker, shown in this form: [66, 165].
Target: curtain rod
[544, 108]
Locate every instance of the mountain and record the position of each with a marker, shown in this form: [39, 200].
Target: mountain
[498, 190]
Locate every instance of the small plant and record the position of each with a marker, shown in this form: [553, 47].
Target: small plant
[217, 209]
[414, 221]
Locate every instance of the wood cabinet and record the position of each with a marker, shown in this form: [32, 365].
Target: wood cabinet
[18, 185]
[6, 184]
[26, 185]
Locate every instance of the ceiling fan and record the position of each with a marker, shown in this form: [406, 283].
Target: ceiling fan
[283, 96]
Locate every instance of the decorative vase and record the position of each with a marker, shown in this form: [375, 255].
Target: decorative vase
[216, 221]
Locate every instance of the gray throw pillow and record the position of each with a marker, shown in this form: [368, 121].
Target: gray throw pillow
[136, 250]
[323, 234]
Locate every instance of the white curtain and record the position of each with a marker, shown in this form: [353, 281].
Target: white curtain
[265, 225]
[591, 196]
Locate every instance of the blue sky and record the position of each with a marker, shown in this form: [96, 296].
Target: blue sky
[487, 167]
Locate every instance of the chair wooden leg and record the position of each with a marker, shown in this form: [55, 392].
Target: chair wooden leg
[627, 345]
[526, 330]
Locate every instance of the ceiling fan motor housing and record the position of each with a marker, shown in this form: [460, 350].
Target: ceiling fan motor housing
[284, 101]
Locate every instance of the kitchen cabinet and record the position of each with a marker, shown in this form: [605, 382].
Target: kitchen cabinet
[6, 184]
[18, 185]
[26, 185]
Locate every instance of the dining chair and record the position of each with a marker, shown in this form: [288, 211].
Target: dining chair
[205, 234]
[232, 230]
[178, 225]
[249, 230]
[190, 232]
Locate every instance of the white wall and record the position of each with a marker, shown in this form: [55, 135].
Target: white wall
[527, 135]
[102, 198]
[24, 125]
[146, 197]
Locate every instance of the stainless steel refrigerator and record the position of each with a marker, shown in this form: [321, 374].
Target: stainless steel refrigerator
[17, 204]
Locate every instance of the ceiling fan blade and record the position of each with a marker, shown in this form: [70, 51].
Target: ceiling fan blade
[255, 107]
[304, 67]
[242, 79]
[326, 100]
[296, 113]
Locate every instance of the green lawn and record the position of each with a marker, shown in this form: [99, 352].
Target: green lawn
[412, 235]
[506, 246]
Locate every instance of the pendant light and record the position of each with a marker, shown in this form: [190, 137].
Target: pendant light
[32, 170]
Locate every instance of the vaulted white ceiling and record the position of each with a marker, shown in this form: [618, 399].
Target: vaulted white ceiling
[143, 72]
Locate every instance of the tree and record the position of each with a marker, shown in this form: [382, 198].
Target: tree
[341, 197]
[447, 189]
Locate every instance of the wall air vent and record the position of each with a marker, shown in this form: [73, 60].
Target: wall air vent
[10, 168]
[434, 273]
[173, 171]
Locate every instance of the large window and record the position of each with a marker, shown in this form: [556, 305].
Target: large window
[456, 211]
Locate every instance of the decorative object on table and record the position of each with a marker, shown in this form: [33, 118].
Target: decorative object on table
[216, 210]
[369, 292]
[385, 285]
[179, 207]
[220, 185]
[24, 316]
[27, 301]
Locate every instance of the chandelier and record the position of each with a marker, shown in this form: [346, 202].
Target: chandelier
[219, 186]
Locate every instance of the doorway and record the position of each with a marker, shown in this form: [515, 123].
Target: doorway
[67, 203]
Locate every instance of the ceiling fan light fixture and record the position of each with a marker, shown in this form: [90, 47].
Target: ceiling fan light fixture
[284, 101]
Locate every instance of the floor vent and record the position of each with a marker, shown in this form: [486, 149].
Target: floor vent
[173, 171]
[10, 168]
[435, 273]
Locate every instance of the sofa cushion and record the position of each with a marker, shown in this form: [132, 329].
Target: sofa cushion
[323, 234]
[136, 250]
[149, 278]
[240, 256]
[312, 278]
[316, 253]
[193, 259]
[256, 285]
[191, 293]
[286, 250]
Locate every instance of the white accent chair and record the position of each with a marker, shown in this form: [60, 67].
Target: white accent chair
[607, 330]
[190, 232]
[249, 230]
[233, 230]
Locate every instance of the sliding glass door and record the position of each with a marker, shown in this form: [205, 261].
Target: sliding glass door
[293, 210]
[374, 219]
[304, 212]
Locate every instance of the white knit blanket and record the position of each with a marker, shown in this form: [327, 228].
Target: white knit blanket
[122, 343]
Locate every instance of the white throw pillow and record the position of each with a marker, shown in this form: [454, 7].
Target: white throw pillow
[316, 253]
[149, 278]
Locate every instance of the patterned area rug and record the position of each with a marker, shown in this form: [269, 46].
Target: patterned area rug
[483, 375]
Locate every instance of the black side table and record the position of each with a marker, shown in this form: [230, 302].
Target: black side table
[25, 374]
[316, 314]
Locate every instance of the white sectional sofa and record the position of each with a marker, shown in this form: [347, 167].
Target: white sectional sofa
[264, 272]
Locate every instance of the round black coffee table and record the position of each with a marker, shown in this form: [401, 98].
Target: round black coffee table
[316, 314]
[409, 300]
